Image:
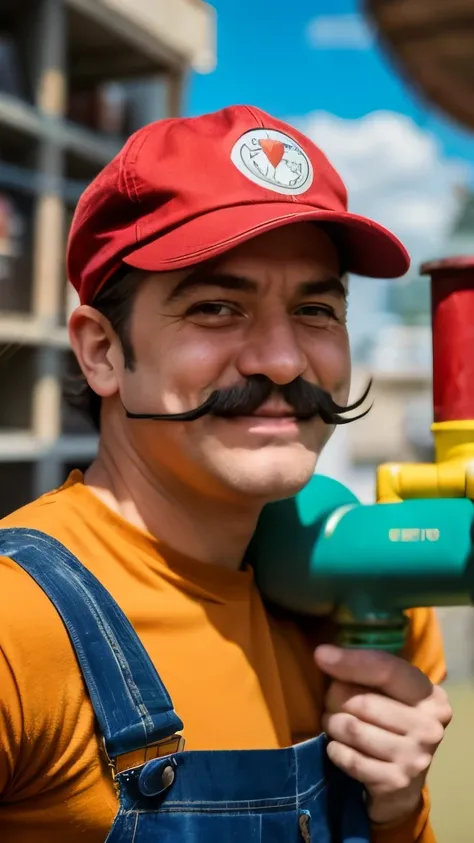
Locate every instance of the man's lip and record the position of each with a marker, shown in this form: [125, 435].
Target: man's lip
[273, 413]
[270, 415]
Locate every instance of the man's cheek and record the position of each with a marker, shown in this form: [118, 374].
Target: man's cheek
[198, 365]
[331, 363]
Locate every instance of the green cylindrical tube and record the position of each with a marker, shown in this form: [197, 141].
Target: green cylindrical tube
[324, 547]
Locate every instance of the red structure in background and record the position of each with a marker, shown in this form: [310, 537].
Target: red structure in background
[452, 313]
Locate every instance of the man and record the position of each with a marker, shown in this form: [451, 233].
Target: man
[210, 259]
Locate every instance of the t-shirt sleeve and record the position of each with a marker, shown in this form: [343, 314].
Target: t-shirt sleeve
[424, 647]
[11, 725]
[416, 829]
[38, 715]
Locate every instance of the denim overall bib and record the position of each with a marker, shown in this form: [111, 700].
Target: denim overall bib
[168, 795]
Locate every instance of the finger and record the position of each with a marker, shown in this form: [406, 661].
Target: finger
[368, 739]
[372, 708]
[442, 705]
[382, 671]
[380, 777]
[425, 722]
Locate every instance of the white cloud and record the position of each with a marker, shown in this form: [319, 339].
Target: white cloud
[396, 173]
[340, 32]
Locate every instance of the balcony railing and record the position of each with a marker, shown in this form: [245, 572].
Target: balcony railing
[186, 28]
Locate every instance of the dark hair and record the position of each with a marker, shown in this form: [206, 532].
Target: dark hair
[115, 301]
[337, 234]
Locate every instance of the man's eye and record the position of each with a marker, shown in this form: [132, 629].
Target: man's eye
[316, 312]
[211, 308]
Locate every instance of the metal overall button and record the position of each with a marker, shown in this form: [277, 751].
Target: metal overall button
[157, 776]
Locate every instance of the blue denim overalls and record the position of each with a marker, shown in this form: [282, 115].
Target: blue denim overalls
[168, 795]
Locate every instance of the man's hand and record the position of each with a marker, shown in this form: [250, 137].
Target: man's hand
[386, 720]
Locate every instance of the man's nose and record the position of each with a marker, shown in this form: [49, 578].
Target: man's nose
[271, 348]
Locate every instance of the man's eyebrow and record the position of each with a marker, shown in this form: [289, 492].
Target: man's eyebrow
[228, 281]
[208, 279]
[326, 285]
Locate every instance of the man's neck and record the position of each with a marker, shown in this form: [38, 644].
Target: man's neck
[203, 528]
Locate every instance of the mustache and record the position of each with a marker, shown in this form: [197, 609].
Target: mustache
[308, 401]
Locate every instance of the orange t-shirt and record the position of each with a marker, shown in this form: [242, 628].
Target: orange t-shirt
[238, 677]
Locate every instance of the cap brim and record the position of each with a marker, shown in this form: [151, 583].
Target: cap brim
[369, 248]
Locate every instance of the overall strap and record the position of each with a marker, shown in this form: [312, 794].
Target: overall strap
[131, 704]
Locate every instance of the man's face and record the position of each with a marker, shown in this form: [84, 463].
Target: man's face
[274, 306]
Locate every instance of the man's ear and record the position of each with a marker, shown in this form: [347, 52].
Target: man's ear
[97, 350]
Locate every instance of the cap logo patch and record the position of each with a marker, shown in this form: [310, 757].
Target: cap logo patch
[273, 160]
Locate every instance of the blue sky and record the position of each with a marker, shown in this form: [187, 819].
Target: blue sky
[266, 57]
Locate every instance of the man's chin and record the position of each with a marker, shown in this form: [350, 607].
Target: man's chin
[272, 475]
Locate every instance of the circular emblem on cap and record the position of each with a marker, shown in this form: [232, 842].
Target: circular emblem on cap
[273, 160]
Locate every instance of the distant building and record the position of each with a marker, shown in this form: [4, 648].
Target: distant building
[76, 78]
[461, 241]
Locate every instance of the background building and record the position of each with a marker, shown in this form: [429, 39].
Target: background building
[76, 78]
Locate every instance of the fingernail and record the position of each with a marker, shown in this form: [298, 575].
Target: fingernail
[329, 654]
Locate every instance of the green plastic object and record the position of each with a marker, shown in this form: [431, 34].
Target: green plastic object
[372, 561]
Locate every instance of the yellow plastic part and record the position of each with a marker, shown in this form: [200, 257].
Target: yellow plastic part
[450, 476]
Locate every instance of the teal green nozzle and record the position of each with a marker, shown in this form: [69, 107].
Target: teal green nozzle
[324, 547]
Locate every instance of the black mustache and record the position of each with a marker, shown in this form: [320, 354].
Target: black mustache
[306, 399]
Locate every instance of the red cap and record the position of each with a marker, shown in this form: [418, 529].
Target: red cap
[185, 190]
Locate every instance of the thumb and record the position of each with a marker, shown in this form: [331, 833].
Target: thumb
[392, 675]
[331, 660]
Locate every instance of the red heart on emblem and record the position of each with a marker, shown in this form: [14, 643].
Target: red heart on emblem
[274, 150]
